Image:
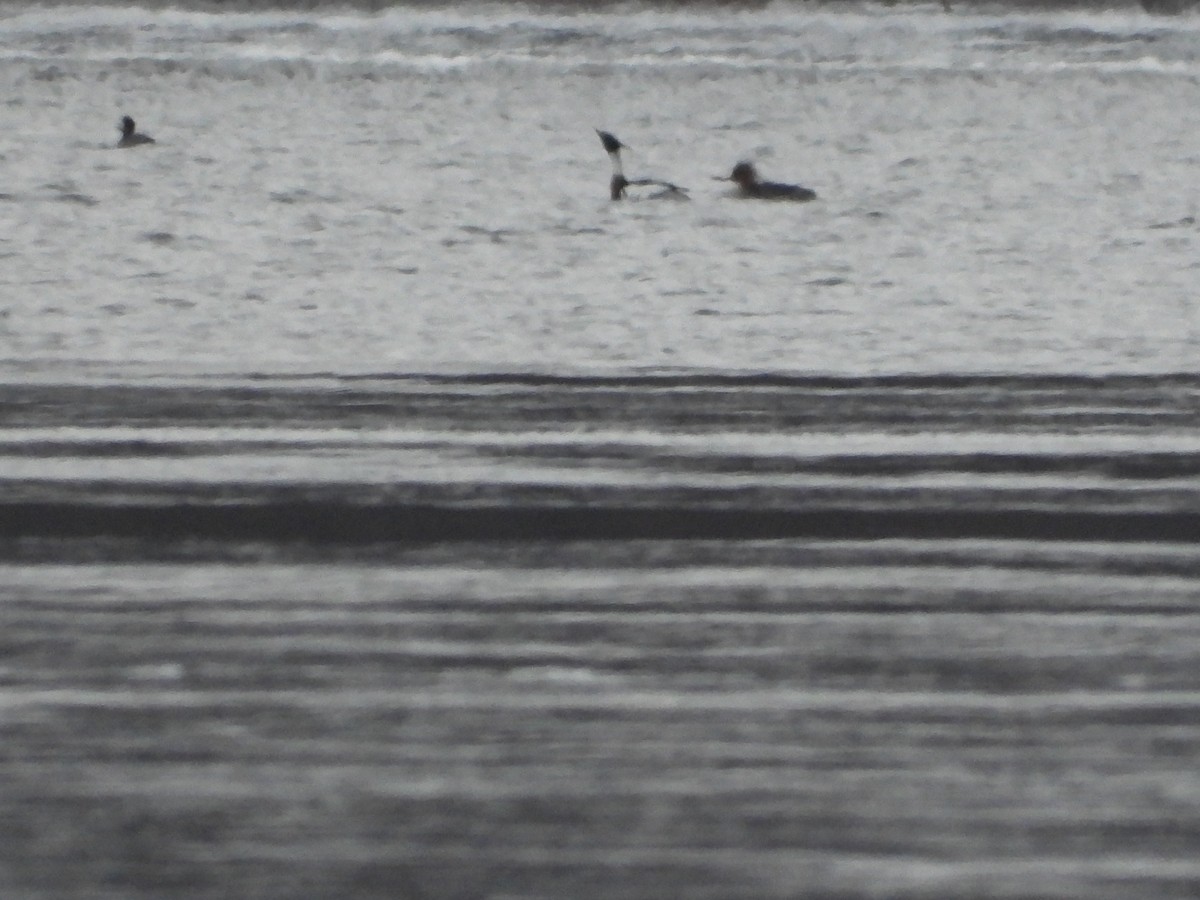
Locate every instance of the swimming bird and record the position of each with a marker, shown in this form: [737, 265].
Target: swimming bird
[130, 136]
[745, 176]
[618, 186]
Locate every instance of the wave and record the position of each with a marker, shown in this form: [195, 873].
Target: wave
[570, 7]
[705, 456]
[321, 522]
[794, 34]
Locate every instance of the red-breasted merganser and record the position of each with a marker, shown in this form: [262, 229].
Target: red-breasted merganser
[130, 137]
[745, 176]
[619, 185]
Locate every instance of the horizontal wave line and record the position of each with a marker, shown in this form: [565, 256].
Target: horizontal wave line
[767, 379]
[345, 523]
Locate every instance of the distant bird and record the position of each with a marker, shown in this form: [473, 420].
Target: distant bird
[130, 137]
[745, 176]
[618, 186]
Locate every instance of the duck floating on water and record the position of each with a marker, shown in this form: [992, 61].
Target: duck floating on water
[619, 185]
[130, 136]
[745, 176]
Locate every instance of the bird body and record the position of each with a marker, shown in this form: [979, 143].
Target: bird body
[745, 176]
[619, 185]
[130, 136]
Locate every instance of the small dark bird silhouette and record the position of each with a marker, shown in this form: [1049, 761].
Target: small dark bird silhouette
[130, 137]
[618, 185]
[745, 176]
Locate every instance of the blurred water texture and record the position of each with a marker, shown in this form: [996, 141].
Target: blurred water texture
[385, 513]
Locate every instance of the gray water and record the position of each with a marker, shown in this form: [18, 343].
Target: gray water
[386, 513]
[422, 188]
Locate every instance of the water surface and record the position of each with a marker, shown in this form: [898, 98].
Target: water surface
[422, 188]
[385, 513]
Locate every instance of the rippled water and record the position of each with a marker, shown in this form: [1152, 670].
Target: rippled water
[386, 513]
[422, 189]
[497, 636]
